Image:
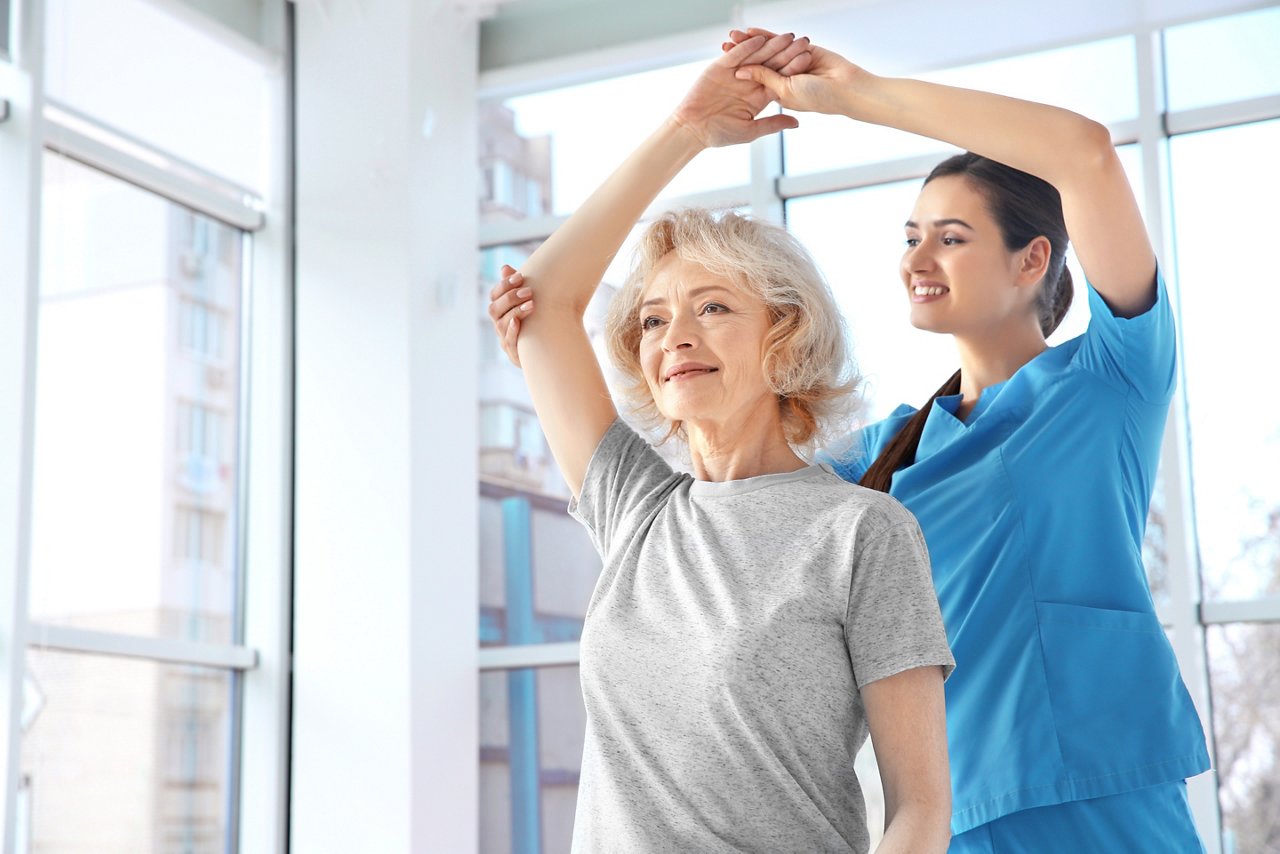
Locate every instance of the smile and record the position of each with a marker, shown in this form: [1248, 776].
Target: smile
[687, 371]
[928, 292]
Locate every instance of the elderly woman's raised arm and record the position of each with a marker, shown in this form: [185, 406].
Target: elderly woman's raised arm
[560, 368]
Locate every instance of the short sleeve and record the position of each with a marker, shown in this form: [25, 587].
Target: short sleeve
[1138, 353]
[893, 622]
[851, 457]
[625, 480]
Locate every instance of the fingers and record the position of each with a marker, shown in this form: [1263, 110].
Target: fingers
[509, 338]
[773, 124]
[767, 77]
[503, 284]
[799, 65]
[508, 294]
[742, 50]
[771, 48]
[794, 51]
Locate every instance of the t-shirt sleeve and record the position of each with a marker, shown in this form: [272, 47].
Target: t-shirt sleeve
[1138, 353]
[893, 622]
[625, 482]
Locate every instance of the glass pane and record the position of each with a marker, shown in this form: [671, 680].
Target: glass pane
[1228, 307]
[1097, 79]
[1224, 59]
[137, 406]
[1244, 671]
[123, 756]
[548, 151]
[152, 74]
[532, 724]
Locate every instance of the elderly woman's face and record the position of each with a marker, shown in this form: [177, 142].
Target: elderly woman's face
[702, 346]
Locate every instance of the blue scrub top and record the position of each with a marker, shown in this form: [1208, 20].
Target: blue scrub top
[1066, 686]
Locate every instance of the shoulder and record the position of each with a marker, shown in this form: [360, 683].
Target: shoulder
[850, 459]
[865, 512]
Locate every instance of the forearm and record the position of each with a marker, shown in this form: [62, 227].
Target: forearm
[565, 271]
[917, 828]
[1037, 138]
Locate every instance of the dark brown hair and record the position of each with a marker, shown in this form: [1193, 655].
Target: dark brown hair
[1024, 207]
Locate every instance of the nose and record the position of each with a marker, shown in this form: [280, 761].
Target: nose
[918, 258]
[680, 334]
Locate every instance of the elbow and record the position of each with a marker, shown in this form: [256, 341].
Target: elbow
[1093, 148]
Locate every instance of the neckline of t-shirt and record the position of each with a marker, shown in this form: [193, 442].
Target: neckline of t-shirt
[720, 489]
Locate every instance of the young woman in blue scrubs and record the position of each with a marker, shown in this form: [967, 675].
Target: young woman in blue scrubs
[1031, 470]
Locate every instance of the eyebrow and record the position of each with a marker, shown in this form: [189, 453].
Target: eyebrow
[693, 293]
[939, 223]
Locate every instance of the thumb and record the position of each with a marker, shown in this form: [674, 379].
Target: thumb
[766, 77]
[773, 124]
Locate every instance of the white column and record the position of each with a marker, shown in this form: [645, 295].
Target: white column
[20, 160]
[385, 746]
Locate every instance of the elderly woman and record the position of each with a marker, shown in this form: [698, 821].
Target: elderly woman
[755, 619]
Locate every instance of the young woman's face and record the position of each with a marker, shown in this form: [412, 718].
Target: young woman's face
[702, 345]
[959, 276]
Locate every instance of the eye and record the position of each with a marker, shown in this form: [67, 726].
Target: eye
[913, 242]
[650, 322]
[714, 308]
[951, 240]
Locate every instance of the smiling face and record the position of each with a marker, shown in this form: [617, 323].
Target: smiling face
[702, 346]
[959, 276]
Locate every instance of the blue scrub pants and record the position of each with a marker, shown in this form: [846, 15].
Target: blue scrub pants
[1156, 819]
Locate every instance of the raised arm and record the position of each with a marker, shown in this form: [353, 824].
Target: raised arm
[1071, 152]
[560, 368]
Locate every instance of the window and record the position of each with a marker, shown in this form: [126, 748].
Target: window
[1219, 202]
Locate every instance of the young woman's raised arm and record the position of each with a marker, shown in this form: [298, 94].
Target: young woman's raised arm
[1071, 152]
[561, 370]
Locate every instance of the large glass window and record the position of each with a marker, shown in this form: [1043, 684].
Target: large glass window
[1244, 665]
[138, 68]
[1224, 183]
[135, 477]
[1223, 59]
[532, 725]
[125, 755]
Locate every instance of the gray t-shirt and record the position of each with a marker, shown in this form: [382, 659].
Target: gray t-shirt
[724, 647]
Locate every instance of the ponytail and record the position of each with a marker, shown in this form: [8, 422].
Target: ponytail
[901, 450]
[1056, 299]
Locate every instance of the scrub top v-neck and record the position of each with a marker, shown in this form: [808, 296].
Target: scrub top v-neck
[1034, 508]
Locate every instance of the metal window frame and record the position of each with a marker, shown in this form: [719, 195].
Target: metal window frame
[768, 191]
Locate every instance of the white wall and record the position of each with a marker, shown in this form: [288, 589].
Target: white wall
[385, 687]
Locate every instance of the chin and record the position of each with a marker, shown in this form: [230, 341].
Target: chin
[928, 324]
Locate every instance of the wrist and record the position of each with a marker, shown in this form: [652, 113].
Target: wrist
[683, 136]
[858, 91]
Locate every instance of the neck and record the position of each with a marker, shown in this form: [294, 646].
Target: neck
[741, 448]
[993, 357]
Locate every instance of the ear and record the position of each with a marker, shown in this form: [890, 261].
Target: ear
[1033, 262]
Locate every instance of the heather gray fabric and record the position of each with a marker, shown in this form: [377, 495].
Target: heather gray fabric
[724, 646]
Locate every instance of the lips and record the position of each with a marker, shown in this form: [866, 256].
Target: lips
[687, 370]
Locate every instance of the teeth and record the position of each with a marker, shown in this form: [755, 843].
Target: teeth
[922, 291]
